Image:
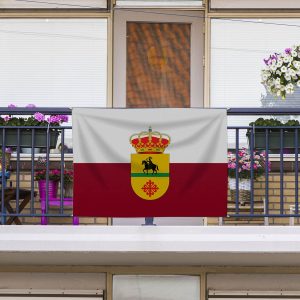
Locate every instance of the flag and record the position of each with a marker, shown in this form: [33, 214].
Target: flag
[150, 162]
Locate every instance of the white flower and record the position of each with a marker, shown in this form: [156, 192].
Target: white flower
[277, 80]
[273, 67]
[292, 72]
[278, 73]
[283, 69]
[287, 77]
[264, 77]
[294, 54]
[286, 59]
[289, 91]
[279, 64]
[296, 64]
[298, 83]
[278, 93]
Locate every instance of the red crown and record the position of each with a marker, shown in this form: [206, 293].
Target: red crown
[150, 142]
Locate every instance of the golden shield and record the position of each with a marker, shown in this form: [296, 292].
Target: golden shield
[150, 175]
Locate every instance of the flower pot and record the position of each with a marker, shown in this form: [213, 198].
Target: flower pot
[244, 190]
[68, 190]
[40, 137]
[259, 141]
[52, 189]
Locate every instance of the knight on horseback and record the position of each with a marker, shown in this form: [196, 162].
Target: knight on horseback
[149, 165]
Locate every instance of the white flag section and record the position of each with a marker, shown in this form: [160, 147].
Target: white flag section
[150, 162]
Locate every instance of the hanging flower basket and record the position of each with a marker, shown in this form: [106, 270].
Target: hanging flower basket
[282, 72]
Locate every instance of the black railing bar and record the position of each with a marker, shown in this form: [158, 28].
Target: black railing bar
[36, 127]
[230, 111]
[262, 111]
[32, 172]
[267, 172]
[263, 127]
[296, 173]
[229, 215]
[237, 143]
[251, 172]
[47, 168]
[18, 170]
[263, 216]
[39, 215]
[31, 111]
[3, 209]
[62, 165]
[281, 171]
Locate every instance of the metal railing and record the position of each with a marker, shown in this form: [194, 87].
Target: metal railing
[275, 205]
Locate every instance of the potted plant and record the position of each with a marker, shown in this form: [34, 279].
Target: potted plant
[281, 75]
[242, 164]
[40, 134]
[259, 141]
[68, 183]
[54, 177]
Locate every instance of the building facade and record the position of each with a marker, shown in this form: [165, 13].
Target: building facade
[160, 53]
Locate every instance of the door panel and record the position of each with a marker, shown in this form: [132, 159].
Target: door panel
[158, 64]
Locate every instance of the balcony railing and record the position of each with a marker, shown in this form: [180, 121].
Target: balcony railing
[272, 199]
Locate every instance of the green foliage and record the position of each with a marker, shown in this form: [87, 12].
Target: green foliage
[20, 121]
[273, 123]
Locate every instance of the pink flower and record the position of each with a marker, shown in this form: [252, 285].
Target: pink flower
[53, 119]
[30, 106]
[64, 118]
[7, 118]
[39, 117]
[12, 106]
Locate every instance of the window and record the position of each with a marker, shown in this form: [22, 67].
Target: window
[48, 4]
[53, 62]
[254, 4]
[238, 47]
[146, 287]
[159, 3]
[166, 49]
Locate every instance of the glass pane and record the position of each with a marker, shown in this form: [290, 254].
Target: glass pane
[254, 4]
[158, 64]
[238, 50]
[53, 62]
[159, 3]
[146, 287]
[67, 4]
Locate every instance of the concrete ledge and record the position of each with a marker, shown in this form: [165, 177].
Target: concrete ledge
[147, 245]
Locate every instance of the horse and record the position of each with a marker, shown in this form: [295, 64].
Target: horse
[149, 166]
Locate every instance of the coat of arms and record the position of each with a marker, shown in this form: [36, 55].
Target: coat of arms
[150, 165]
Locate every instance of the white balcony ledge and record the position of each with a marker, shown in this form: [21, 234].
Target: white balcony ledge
[95, 245]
